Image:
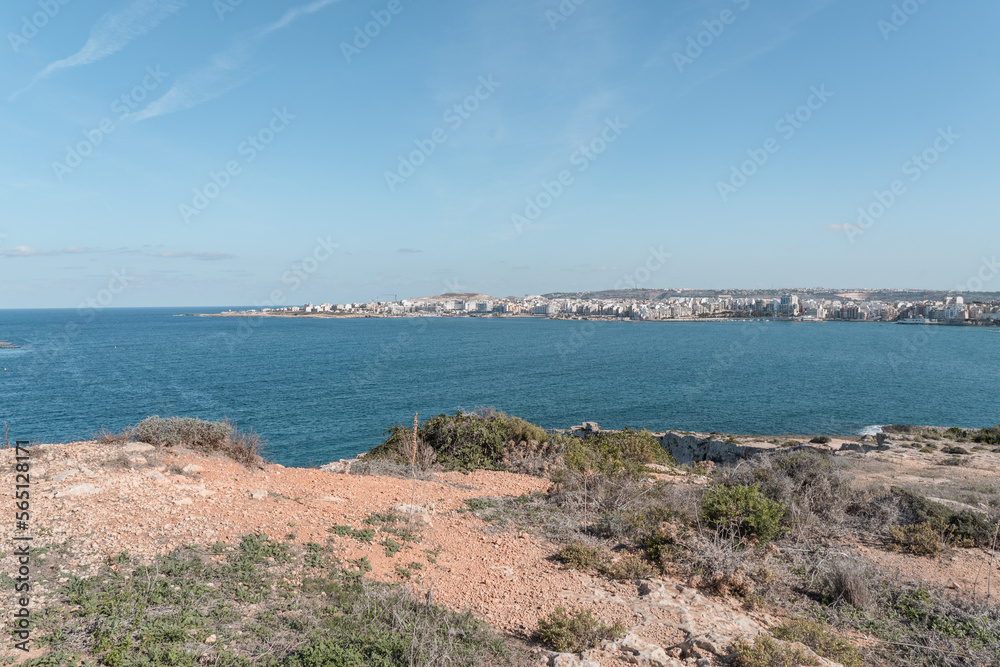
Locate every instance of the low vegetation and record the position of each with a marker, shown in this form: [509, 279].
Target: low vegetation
[771, 531]
[492, 440]
[259, 602]
[577, 632]
[207, 437]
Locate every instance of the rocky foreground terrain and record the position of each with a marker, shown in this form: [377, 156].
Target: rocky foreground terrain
[92, 501]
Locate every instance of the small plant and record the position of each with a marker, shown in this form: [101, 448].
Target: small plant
[819, 638]
[917, 539]
[743, 512]
[766, 652]
[820, 440]
[580, 556]
[847, 580]
[629, 567]
[575, 633]
[954, 449]
[392, 547]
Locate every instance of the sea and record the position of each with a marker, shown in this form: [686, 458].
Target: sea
[318, 390]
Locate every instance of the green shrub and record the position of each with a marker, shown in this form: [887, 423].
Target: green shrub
[821, 640]
[918, 539]
[743, 512]
[766, 652]
[965, 528]
[628, 567]
[820, 440]
[460, 441]
[577, 633]
[987, 436]
[580, 556]
[616, 451]
[961, 451]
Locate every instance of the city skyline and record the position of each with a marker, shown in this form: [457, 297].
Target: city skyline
[177, 154]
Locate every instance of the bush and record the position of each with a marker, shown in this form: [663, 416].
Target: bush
[819, 638]
[961, 451]
[766, 652]
[743, 512]
[465, 442]
[814, 492]
[628, 567]
[847, 580]
[577, 633]
[242, 446]
[580, 556]
[987, 436]
[614, 452]
[820, 440]
[917, 539]
[965, 528]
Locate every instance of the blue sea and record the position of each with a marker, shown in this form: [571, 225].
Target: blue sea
[320, 390]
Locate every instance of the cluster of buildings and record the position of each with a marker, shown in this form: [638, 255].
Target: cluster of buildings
[788, 306]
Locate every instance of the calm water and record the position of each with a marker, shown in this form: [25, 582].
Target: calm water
[319, 390]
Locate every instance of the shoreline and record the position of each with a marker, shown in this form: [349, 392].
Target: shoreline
[361, 316]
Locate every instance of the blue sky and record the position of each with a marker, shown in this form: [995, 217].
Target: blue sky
[114, 113]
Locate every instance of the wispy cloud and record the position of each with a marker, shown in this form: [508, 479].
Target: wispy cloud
[839, 228]
[223, 72]
[204, 256]
[409, 251]
[112, 33]
[29, 251]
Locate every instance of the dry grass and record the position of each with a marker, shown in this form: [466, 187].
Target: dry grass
[244, 447]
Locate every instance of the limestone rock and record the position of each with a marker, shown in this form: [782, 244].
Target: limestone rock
[191, 469]
[137, 447]
[258, 494]
[570, 660]
[63, 476]
[82, 490]
[342, 467]
[415, 511]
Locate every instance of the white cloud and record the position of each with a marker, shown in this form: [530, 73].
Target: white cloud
[223, 72]
[112, 33]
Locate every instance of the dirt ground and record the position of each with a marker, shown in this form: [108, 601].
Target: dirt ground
[97, 500]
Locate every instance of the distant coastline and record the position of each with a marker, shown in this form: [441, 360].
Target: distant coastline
[593, 318]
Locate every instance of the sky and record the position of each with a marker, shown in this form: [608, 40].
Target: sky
[238, 152]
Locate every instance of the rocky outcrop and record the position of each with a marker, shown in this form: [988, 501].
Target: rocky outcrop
[692, 447]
